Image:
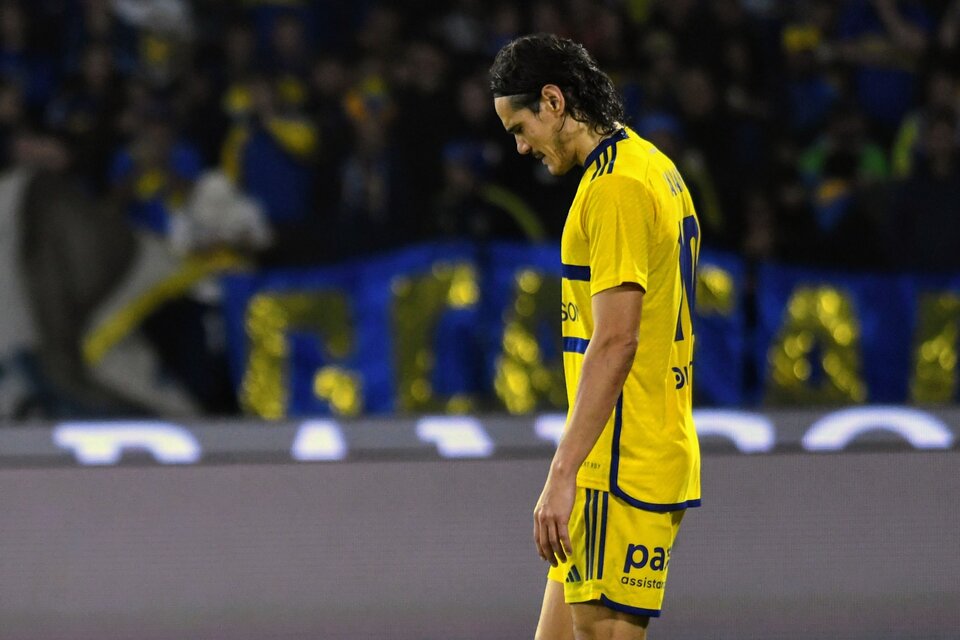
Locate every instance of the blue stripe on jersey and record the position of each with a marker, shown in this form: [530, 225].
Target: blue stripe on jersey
[637, 611]
[615, 450]
[575, 272]
[615, 489]
[656, 507]
[600, 165]
[599, 162]
[603, 146]
[575, 345]
[613, 158]
[603, 536]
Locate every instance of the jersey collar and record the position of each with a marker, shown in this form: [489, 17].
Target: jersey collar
[618, 135]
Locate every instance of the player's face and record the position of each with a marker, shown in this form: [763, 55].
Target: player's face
[540, 134]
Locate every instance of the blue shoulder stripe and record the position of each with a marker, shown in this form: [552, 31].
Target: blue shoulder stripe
[575, 345]
[575, 272]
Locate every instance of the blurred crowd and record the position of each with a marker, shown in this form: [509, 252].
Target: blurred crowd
[147, 146]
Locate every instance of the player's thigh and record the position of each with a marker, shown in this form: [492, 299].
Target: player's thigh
[555, 620]
[594, 621]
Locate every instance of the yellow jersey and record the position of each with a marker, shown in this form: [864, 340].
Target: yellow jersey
[632, 220]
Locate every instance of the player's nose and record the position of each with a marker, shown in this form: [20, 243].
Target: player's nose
[522, 147]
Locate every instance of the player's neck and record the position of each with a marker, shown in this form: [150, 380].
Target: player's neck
[589, 139]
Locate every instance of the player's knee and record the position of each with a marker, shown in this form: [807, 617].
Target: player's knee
[554, 632]
[607, 632]
[593, 621]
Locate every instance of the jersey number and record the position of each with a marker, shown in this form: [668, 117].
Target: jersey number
[689, 235]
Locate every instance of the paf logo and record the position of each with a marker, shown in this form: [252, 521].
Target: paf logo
[639, 556]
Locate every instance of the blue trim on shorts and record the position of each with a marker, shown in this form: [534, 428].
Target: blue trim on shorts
[625, 608]
[603, 535]
[656, 507]
[593, 539]
[586, 530]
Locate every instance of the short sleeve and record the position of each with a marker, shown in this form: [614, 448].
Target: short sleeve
[617, 222]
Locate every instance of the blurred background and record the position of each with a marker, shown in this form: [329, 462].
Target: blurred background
[290, 208]
[250, 233]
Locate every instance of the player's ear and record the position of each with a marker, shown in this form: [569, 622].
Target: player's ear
[552, 98]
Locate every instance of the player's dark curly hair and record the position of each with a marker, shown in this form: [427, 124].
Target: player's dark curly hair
[525, 65]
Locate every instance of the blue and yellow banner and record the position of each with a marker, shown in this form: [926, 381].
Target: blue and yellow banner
[831, 338]
[463, 328]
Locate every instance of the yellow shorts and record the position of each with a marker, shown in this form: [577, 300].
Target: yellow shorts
[620, 554]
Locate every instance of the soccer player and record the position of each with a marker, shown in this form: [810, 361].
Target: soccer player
[628, 464]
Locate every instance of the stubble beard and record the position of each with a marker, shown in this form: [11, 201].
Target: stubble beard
[561, 145]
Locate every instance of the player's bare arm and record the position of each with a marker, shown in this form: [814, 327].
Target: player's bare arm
[606, 363]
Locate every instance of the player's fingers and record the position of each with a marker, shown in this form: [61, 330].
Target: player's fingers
[565, 540]
[546, 546]
[536, 536]
[553, 540]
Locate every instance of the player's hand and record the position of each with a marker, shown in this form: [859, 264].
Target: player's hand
[550, 518]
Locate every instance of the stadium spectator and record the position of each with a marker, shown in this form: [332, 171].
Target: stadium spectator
[708, 124]
[289, 60]
[235, 66]
[837, 169]
[20, 62]
[948, 36]
[420, 129]
[883, 41]
[153, 175]
[85, 113]
[688, 26]
[269, 155]
[165, 32]
[370, 173]
[808, 91]
[504, 24]
[795, 236]
[942, 94]
[471, 206]
[198, 105]
[329, 80]
[546, 17]
[11, 119]
[462, 27]
[94, 21]
[926, 233]
[379, 33]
